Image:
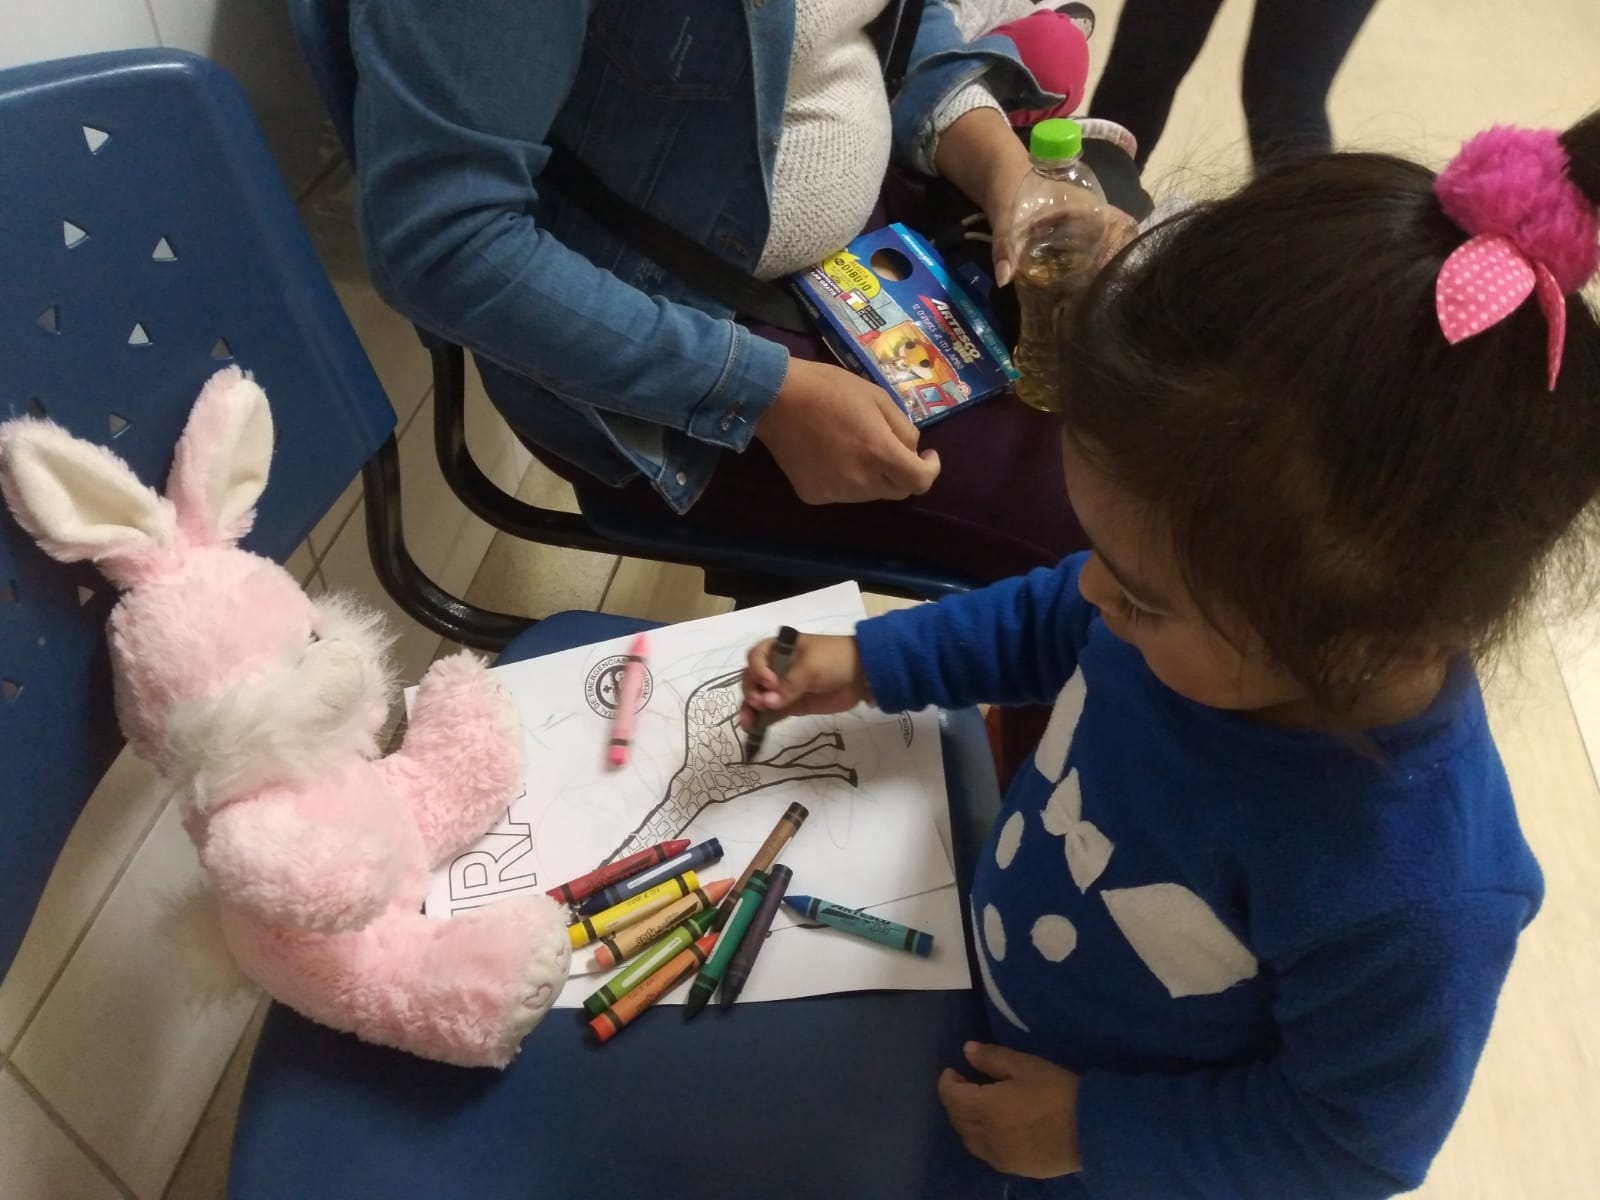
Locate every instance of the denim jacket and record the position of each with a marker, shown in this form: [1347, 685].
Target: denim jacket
[588, 348]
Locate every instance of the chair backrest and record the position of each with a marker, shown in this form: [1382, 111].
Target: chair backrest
[147, 239]
[322, 27]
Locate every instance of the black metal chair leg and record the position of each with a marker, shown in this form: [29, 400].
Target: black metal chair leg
[421, 598]
[481, 495]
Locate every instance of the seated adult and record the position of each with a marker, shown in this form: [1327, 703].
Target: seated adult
[763, 130]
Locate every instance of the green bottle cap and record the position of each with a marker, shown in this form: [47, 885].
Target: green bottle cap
[1056, 140]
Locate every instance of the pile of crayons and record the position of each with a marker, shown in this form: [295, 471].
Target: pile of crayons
[651, 911]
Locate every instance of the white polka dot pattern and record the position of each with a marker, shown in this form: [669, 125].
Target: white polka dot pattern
[994, 932]
[1054, 937]
[1480, 285]
[1488, 279]
[1005, 846]
[989, 986]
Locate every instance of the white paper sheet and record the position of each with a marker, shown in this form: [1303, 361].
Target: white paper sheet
[873, 782]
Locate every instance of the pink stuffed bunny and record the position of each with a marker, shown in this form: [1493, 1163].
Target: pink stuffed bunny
[261, 707]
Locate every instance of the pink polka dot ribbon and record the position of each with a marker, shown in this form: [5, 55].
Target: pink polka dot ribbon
[1487, 280]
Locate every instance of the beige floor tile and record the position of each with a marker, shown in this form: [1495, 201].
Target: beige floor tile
[113, 824]
[877, 605]
[534, 580]
[1575, 639]
[666, 592]
[333, 521]
[38, 1160]
[125, 1048]
[1527, 1132]
[1421, 77]
[302, 563]
[529, 580]
[202, 1173]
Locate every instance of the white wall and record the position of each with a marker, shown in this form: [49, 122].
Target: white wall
[251, 38]
[107, 1058]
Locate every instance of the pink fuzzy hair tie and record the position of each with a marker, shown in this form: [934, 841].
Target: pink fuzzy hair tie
[1532, 231]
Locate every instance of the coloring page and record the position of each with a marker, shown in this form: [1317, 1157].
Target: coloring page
[873, 783]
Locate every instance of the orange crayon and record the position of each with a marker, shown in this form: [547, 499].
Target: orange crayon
[632, 1005]
[631, 939]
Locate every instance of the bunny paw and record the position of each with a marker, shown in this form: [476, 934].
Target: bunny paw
[461, 764]
[544, 973]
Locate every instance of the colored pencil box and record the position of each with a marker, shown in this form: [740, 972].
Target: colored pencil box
[889, 310]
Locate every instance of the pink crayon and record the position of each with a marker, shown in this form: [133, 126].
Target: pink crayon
[628, 702]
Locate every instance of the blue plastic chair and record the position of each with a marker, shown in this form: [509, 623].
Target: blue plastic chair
[745, 568]
[126, 285]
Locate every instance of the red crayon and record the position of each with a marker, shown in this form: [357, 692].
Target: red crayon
[585, 886]
[632, 1004]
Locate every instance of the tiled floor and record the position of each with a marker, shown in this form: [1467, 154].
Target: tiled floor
[1424, 74]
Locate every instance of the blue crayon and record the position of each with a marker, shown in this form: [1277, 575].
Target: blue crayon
[863, 925]
[692, 859]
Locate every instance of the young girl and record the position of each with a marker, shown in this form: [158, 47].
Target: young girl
[1244, 917]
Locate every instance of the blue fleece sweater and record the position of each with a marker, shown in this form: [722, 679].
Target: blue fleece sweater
[1274, 961]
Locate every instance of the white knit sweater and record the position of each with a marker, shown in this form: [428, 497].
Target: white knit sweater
[834, 149]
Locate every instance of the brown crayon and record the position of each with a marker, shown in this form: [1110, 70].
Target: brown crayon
[635, 1003]
[631, 939]
[788, 825]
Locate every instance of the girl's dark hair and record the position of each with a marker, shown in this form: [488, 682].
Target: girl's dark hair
[1267, 377]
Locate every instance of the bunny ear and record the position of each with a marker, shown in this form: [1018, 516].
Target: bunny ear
[220, 468]
[80, 501]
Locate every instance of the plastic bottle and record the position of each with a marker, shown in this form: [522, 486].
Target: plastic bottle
[1058, 231]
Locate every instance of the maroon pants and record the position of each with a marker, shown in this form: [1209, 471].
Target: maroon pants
[998, 508]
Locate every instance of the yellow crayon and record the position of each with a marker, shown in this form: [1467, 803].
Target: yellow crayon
[634, 908]
[625, 943]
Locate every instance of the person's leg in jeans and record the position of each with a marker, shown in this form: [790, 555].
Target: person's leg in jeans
[1155, 44]
[1295, 50]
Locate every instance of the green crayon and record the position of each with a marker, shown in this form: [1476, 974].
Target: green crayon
[864, 925]
[733, 979]
[654, 956]
[733, 932]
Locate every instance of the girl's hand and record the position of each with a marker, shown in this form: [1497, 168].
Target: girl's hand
[824, 676]
[1025, 1122]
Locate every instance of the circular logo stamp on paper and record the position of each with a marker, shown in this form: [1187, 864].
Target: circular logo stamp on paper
[907, 729]
[603, 688]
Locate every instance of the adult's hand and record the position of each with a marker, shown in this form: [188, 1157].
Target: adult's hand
[840, 439]
[983, 156]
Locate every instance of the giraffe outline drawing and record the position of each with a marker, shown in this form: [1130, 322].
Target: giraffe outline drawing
[714, 769]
